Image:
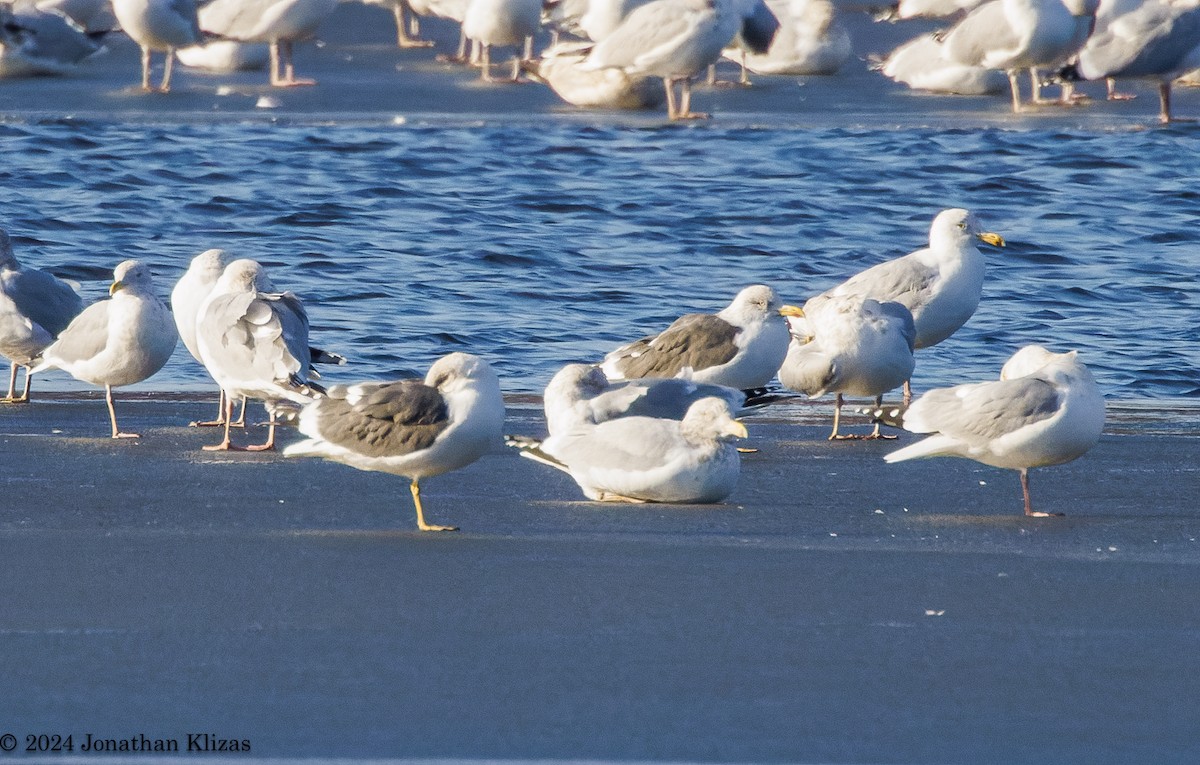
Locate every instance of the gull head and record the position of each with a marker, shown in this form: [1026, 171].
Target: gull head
[131, 275]
[711, 418]
[242, 275]
[957, 227]
[456, 371]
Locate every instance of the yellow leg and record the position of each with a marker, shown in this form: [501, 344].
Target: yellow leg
[421, 524]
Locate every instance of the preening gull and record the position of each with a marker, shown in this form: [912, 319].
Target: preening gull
[280, 23]
[671, 39]
[254, 343]
[580, 394]
[848, 344]
[410, 428]
[939, 284]
[740, 347]
[119, 341]
[34, 308]
[188, 295]
[647, 459]
[159, 25]
[1044, 410]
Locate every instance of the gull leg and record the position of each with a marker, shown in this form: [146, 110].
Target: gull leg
[745, 72]
[112, 414]
[837, 418]
[408, 30]
[875, 434]
[1114, 94]
[1016, 91]
[486, 61]
[165, 87]
[1029, 511]
[12, 385]
[669, 84]
[289, 79]
[24, 399]
[1164, 101]
[685, 103]
[220, 415]
[146, 70]
[226, 445]
[274, 48]
[269, 444]
[907, 393]
[421, 524]
[240, 422]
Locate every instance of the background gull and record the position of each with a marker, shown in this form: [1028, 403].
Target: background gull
[810, 41]
[119, 341]
[921, 65]
[740, 347]
[255, 344]
[410, 428]
[580, 394]
[940, 284]
[561, 67]
[159, 25]
[34, 308]
[280, 23]
[847, 344]
[646, 459]
[37, 42]
[1045, 410]
[501, 23]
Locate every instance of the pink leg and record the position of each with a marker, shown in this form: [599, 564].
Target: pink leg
[112, 414]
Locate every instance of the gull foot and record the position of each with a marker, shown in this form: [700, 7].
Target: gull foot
[428, 527]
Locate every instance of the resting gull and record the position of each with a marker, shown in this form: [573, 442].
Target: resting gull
[939, 284]
[34, 308]
[159, 25]
[280, 23]
[647, 459]
[410, 428]
[580, 394]
[1044, 410]
[740, 347]
[920, 65]
[254, 343]
[561, 67]
[119, 341]
[810, 41]
[848, 344]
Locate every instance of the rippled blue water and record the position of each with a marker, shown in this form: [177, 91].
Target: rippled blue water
[539, 245]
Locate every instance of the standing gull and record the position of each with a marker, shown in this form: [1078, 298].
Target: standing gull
[280, 23]
[740, 347]
[501, 23]
[939, 284]
[849, 344]
[647, 459]
[254, 343]
[159, 25]
[189, 294]
[410, 428]
[34, 308]
[1044, 410]
[119, 341]
[671, 39]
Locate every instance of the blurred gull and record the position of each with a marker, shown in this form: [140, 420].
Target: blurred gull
[254, 343]
[921, 65]
[410, 428]
[561, 67]
[810, 41]
[35, 42]
[671, 39]
[159, 25]
[119, 341]
[501, 23]
[34, 308]
[407, 25]
[754, 36]
[280, 23]
[1044, 410]
[647, 459]
[740, 347]
[225, 56]
[848, 344]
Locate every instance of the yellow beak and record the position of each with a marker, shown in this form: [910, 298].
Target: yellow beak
[791, 310]
[738, 428]
[994, 240]
[116, 286]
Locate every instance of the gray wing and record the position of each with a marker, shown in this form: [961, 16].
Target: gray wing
[293, 323]
[982, 31]
[1162, 39]
[903, 280]
[84, 338]
[807, 369]
[985, 411]
[644, 32]
[670, 399]
[904, 318]
[44, 299]
[383, 419]
[697, 340]
[243, 332]
[635, 444]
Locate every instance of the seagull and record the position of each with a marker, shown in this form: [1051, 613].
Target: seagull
[35, 42]
[277, 22]
[1156, 41]
[119, 341]
[1044, 410]
[254, 343]
[561, 67]
[848, 344]
[407, 32]
[940, 284]
[920, 64]
[740, 347]
[159, 25]
[409, 428]
[670, 39]
[501, 22]
[810, 41]
[581, 395]
[650, 459]
[35, 307]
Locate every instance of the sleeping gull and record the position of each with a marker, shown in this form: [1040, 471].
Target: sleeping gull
[740, 347]
[280, 23]
[648, 459]
[409, 428]
[34, 308]
[254, 343]
[580, 394]
[671, 39]
[1044, 410]
[119, 341]
[159, 25]
[920, 64]
[848, 344]
[939, 284]
[561, 67]
[1157, 41]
